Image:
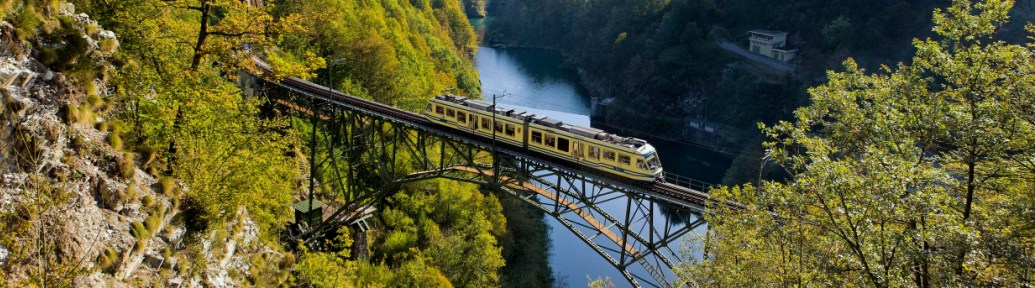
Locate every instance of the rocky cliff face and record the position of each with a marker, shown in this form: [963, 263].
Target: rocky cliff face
[475, 8]
[74, 209]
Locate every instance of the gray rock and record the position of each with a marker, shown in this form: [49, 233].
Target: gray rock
[3, 254]
[154, 261]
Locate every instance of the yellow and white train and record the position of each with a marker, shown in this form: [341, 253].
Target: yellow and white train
[625, 157]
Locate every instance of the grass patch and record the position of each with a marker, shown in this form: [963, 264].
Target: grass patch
[73, 114]
[130, 193]
[94, 100]
[148, 201]
[107, 45]
[78, 142]
[108, 260]
[27, 22]
[138, 230]
[102, 126]
[166, 185]
[70, 114]
[154, 220]
[115, 140]
[126, 165]
[167, 254]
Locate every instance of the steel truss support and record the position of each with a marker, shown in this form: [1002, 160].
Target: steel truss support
[362, 158]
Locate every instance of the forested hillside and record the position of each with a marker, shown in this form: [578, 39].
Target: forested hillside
[197, 185]
[662, 55]
[912, 175]
[395, 52]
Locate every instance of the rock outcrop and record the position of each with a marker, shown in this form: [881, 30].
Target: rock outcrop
[72, 201]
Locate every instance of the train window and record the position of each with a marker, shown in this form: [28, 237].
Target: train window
[537, 137]
[562, 144]
[485, 123]
[509, 130]
[639, 163]
[550, 141]
[609, 156]
[498, 126]
[461, 117]
[439, 110]
[594, 152]
[450, 112]
[625, 160]
[474, 121]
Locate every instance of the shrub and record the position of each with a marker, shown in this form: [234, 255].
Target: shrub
[148, 201]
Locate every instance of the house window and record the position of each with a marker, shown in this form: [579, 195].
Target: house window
[537, 137]
[550, 141]
[562, 144]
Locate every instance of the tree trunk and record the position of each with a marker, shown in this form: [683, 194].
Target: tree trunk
[202, 35]
[967, 209]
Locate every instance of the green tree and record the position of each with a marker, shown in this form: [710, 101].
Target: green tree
[839, 34]
[455, 228]
[916, 176]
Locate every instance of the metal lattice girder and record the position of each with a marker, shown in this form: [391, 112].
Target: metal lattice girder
[359, 155]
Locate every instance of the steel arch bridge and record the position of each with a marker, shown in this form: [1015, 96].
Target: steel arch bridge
[369, 150]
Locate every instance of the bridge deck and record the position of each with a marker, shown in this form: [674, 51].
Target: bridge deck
[668, 192]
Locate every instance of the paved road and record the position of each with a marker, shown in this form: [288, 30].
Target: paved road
[772, 63]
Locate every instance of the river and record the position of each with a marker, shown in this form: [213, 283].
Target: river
[532, 79]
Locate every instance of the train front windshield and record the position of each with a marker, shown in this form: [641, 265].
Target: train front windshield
[653, 162]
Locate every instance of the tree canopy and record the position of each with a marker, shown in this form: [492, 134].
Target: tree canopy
[918, 175]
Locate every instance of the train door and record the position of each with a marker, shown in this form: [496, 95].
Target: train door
[577, 152]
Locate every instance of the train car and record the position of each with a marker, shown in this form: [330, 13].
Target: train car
[625, 157]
